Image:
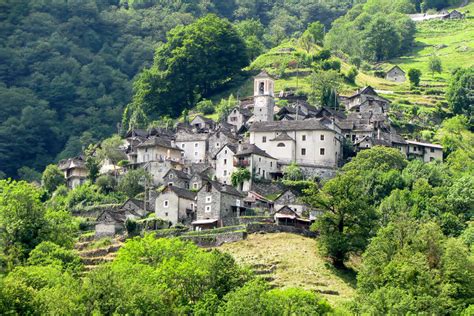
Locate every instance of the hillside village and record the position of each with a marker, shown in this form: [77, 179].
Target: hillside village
[191, 166]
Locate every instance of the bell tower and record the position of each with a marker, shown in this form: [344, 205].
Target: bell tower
[263, 97]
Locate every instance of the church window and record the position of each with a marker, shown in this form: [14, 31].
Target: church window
[261, 87]
[303, 151]
[225, 161]
[303, 138]
[322, 151]
[281, 145]
[322, 137]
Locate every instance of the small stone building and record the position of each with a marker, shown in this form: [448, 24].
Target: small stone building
[74, 170]
[177, 178]
[219, 203]
[176, 205]
[200, 122]
[424, 151]
[396, 74]
[290, 199]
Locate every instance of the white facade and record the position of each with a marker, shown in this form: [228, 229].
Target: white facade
[427, 152]
[225, 164]
[305, 147]
[194, 146]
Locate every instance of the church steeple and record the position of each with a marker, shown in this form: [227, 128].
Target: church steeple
[263, 97]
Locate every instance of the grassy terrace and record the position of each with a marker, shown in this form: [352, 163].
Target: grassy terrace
[294, 261]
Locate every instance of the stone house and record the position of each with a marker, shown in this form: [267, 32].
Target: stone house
[218, 205]
[158, 149]
[238, 117]
[224, 161]
[312, 142]
[194, 146]
[396, 74]
[112, 221]
[425, 151]
[287, 217]
[176, 205]
[75, 171]
[198, 178]
[158, 169]
[218, 139]
[135, 206]
[260, 164]
[455, 14]
[177, 178]
[200, 122]
[290, 198]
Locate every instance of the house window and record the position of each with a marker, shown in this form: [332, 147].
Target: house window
[196, 144]
[264, 139]
[258, 170]
[303, 151]
[195, 186]
[225, 173]
[281, 145]
[146, 150]
[182, 145]
[225, 161]
[218, 145]
[170, 184]
[171, 176]
[263, 173]
[195, 153]
[166, 203]
[303, 138]
[432, 150]
[414, 148]
[225, 152]
[353, 138]
[208, 208]
[259, 159]
[432, 159]
[166, 214]
[271, 163]
[322, 137]
[322, 151]
[209, 199]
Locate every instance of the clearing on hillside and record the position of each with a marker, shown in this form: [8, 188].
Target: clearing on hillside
[289, 260]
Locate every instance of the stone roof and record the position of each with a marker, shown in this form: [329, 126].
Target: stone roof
[251, 149]
[263, 74]
[158, 141]
[231, 146]
[283, 136]
[136, 133]
[182, 193]
[224, 188]
[205, 119]
[185, 136]
[395, 67]
[179, 174]
[76, 162]
[137, 202]
[413, 142]
[366, 90]
[336, 113]
[301, 125]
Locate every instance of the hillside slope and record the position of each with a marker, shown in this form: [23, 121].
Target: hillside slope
[293, 261]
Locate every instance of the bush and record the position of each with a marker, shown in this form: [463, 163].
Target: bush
[414, 76]
[205, 107]
[352, 74]
[334, 64]
[379, 73]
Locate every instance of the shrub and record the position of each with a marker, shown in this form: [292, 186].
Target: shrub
[205, 107]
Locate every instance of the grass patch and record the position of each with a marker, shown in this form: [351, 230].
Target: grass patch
[297, 264]
[100, 243]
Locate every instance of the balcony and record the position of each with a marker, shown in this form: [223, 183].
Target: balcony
[241, 163]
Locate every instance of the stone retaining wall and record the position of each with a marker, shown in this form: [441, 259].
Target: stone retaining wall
[216, 240]
[272, 228]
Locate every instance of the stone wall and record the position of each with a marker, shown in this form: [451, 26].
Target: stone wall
[320, 172]
[255, 219]
[272, 228]
[215, 240]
